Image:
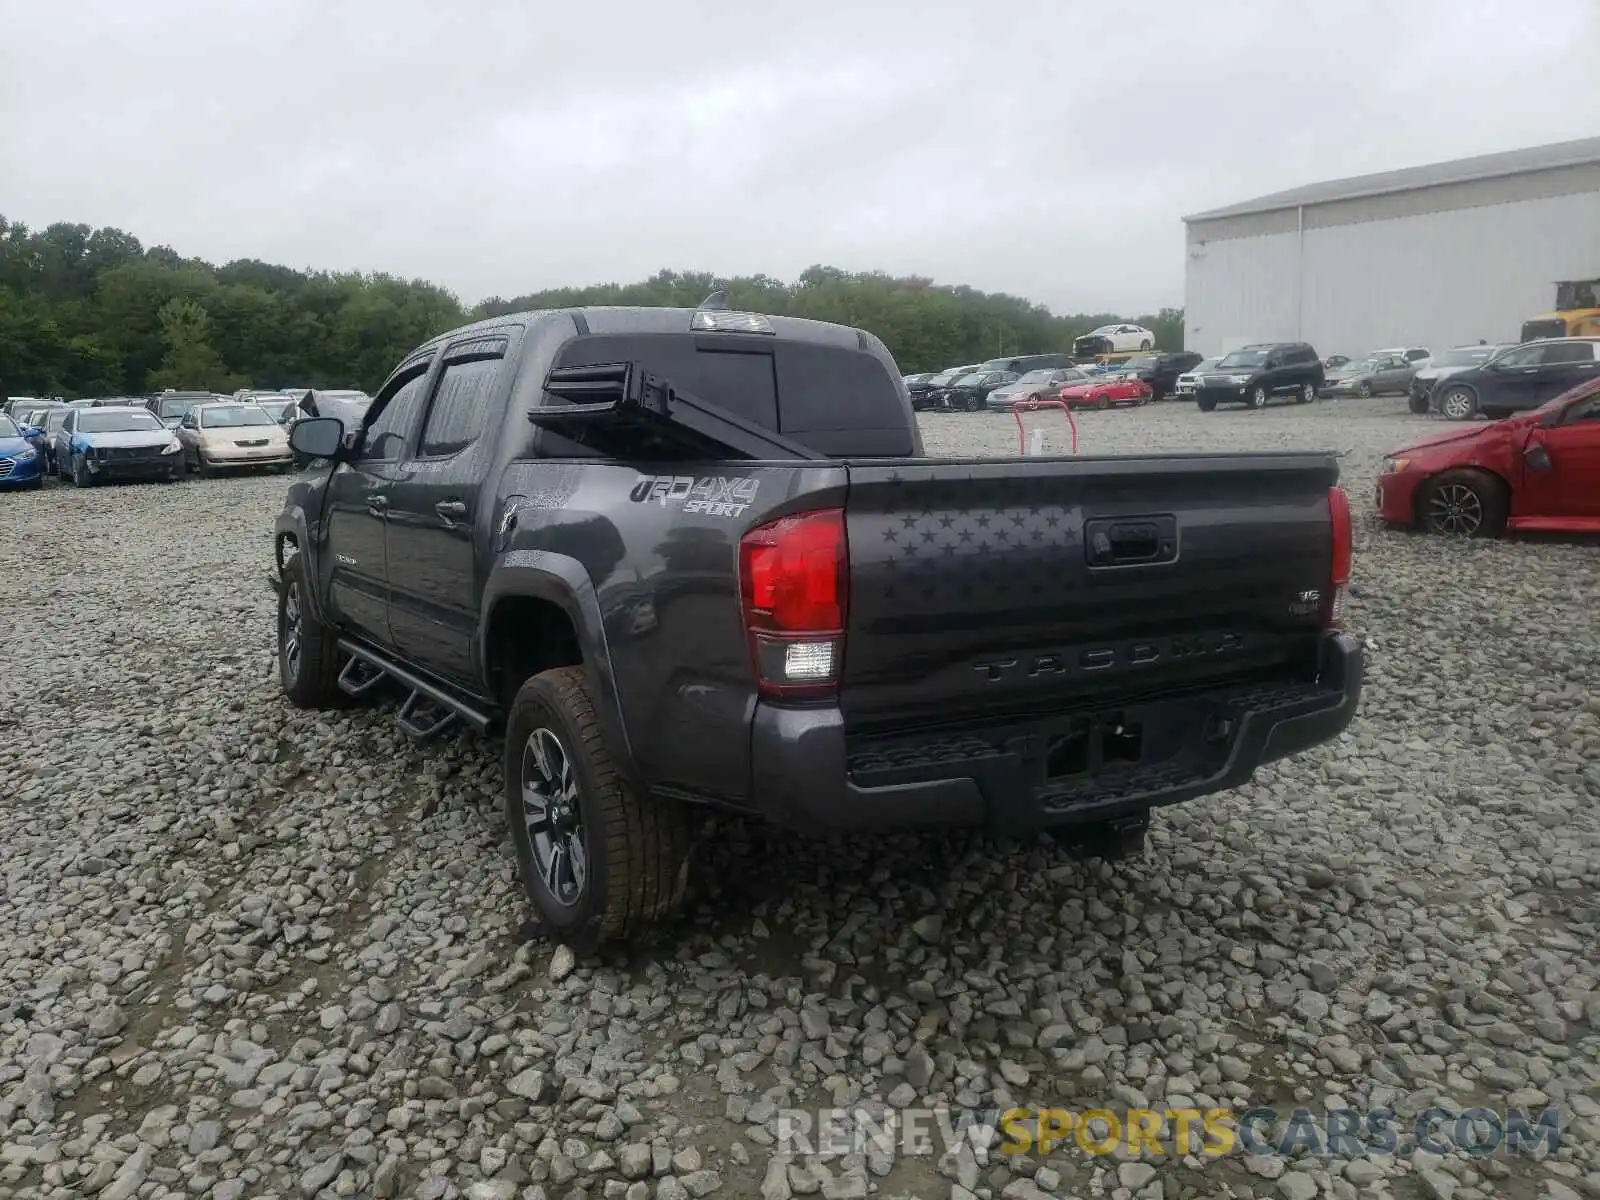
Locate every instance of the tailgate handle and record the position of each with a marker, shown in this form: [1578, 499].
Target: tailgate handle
[1131, 541]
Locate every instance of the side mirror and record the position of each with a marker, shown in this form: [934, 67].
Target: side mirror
[318, 437]
[1537, 458]
[31, 431]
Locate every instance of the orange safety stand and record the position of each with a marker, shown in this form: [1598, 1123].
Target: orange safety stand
[1034, 406]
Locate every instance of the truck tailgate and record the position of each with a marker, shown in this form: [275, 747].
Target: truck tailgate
[992, 588]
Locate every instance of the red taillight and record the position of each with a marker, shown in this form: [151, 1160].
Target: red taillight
[1339, 571]
[794, 583]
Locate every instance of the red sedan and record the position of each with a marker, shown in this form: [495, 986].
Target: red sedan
[1103, 393]
[1536, 471]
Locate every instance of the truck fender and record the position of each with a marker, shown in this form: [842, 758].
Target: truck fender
[543, 575]
[292, 525]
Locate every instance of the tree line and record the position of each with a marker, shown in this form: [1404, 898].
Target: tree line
[93, 312]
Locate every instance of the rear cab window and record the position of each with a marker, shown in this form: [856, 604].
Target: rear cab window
[838, 400]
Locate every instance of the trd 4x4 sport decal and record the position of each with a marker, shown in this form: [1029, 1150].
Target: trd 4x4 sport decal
[714, 495]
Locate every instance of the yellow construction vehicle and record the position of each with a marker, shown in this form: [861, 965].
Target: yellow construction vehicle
[1577, 313]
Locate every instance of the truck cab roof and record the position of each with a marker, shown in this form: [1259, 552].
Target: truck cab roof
[831, 387]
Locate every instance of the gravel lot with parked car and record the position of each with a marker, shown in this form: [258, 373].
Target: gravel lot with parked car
[247, 951]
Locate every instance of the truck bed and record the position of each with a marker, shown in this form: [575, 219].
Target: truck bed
[1027, 641]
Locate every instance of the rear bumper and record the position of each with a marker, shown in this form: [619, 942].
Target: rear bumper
[808, 775]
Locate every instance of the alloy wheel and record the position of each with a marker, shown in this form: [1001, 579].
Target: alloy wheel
[553, 818]
[291, 631]
[1456, 404]
[1455, 509]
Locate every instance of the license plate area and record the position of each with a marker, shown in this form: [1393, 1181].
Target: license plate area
[1088, 745]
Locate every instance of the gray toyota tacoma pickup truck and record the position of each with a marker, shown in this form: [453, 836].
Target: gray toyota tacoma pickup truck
[699, 557]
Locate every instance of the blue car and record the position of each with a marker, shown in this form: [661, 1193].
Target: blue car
[99, 445]
[21, 460]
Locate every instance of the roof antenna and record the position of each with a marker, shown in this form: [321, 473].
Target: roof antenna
[716, 302]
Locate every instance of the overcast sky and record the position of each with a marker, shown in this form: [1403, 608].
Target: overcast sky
[1047, 149]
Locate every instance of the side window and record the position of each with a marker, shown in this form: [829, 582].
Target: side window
[1522, 356]
[1568, 352]
[70, 425]
[1586, 412]
[388, 437]
[459, 414]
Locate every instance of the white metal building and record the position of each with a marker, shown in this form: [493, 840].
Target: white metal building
[1429, 256]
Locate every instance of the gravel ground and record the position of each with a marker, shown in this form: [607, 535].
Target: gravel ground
[250, 952]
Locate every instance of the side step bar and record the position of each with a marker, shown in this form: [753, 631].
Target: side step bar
[359, 677]
[428, 710]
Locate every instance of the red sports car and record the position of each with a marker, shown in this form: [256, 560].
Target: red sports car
[1536, 471]
[1103, 393]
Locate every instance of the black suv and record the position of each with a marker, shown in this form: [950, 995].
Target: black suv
[1252, 375]
[1161, 371]
[1518, 379]
[971, 392]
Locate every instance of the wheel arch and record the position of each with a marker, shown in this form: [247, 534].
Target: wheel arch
[291, 539]
[540, 611]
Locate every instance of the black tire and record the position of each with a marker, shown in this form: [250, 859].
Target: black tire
[1146, 344]
[1141, 399]
[1102, 402]
[1364, 389]
[975, 403]
[1418, 404]
[1258, 398]
[200, 467]
[1308, 393]
[1463, 503]
[309, 663]
[1205, 403]
[1458, 403]
[636, 847]
[80, 474]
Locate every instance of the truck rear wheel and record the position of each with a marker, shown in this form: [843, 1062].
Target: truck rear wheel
[599, 861]
[309, 660]
[1206, 403]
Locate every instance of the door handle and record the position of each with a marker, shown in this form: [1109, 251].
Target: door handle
[377, 505]
[451, 510]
